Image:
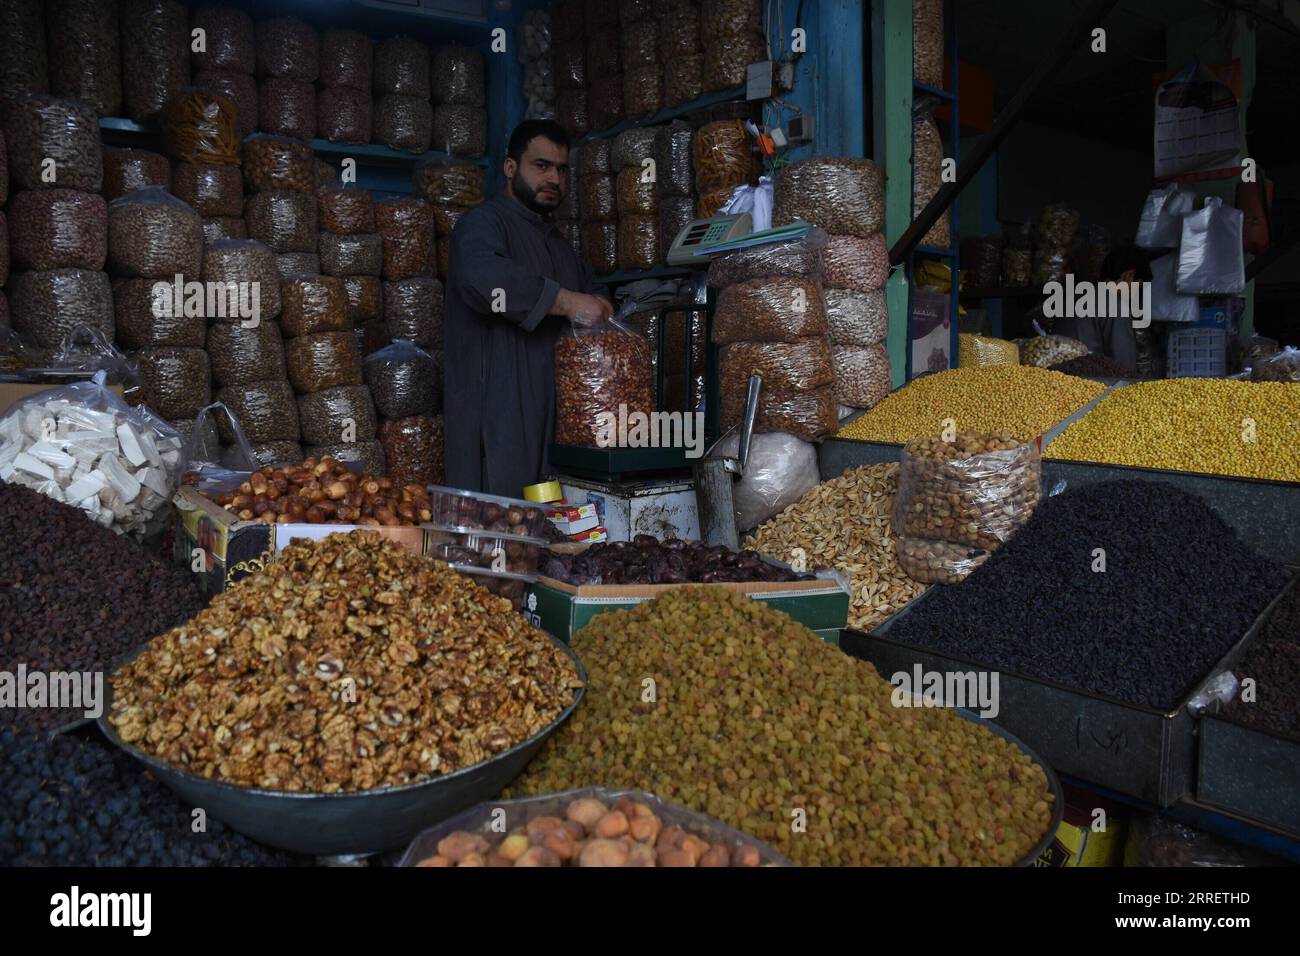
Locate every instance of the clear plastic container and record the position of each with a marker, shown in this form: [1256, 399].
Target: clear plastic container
[471, 510]
[501, 583]
[480, 820]
[509, 553]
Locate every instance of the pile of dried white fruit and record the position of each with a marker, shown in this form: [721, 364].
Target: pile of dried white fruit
[845, 523]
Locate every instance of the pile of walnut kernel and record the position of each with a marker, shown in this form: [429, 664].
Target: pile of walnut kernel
[349, 664]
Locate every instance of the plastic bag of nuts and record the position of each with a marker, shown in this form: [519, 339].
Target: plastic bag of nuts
[404, 122]
[684, 79]
[637, 195]
[155, 54]
[323, 360]
[142, 323]
[406, 226]
[126, 170]
[58, 229]
[247, 263]
[597, 200]
[573, 112]
[275, 453]
[344, 115]
[356, 254]
[927, 177]
[981, 256]
[1048, 350]
[727, 58]
[843, 195]
[445, 219]
[724, 156]
[675, 214]
[460, 130]
[404, 381]
[638, 241]
[200, 126]
[938, 562]
[266, 411]
[288, 47]
[458, 76]
[240, 88]
[216, 228]
[47, 306]
[810, 416]
[674, 171]
[862, 375]
[975, 490]
[796, 258]
[365, 295]
[242, 356]
[84, 57]
[345, 209]
[778, 309]
[600, 246]
[927, 42]
[39, 129]
[597, 372]
[605, 102]
[602, 55]
[209, 190]
[277, 162]
[849, 262]
[153, 234]
[857, 318]
[570, 65]
[401, 66]
[445, 183]
[292, 264]
[25, 66]
[413, 449]
[643, 92]
[413, 310]
[784, 366]
[283, 220]
[346, 59]
[229, 40]
[174, 382]
[313, 304]
[337, 414]
[287, 107]
[633, 147]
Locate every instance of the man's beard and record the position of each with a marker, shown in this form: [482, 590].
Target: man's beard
[528, 196]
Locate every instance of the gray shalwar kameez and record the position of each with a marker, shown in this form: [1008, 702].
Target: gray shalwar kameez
[507, 265]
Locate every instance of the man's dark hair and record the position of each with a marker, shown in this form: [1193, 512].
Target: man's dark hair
[529, 130]
[1124, 257]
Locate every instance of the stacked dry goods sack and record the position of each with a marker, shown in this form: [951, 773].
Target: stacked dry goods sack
[450, 189]
[844, 197]
[724, 158]
[57, 223]
[413, 311]
[771, 321]
[228, 60]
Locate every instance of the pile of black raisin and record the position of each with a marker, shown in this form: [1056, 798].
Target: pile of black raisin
[1273, 662]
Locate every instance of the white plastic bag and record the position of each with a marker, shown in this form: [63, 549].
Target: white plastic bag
[1166, 304]
[84, 446]
[1162, 217]
[755, 200]
[781, 470]
[1211, 260]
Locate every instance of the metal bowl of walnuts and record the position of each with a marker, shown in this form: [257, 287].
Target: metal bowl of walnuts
[353, 823]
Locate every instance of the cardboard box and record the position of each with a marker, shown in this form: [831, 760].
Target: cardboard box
[564, 609]
[658, 507]
[233, 549]
[573, 519]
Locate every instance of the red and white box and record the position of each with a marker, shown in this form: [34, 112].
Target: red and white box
[574, 519]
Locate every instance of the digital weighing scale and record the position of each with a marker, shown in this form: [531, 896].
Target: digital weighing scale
[704, 238]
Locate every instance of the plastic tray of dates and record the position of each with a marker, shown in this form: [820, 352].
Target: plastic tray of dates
[494, 551]
[507, 584]
[593, 826]
[474, 511]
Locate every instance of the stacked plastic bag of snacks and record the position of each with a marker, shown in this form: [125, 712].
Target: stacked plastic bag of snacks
[1048, 350]
[982, 350]
[600, 371]
[843, 195]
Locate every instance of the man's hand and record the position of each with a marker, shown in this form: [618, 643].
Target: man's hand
[581, 309]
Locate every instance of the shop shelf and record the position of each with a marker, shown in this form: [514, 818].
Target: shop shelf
[658, 272]
[668, 113]
[1139, 751]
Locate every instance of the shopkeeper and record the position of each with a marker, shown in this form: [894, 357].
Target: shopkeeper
[1112, 336]
[514, 282]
